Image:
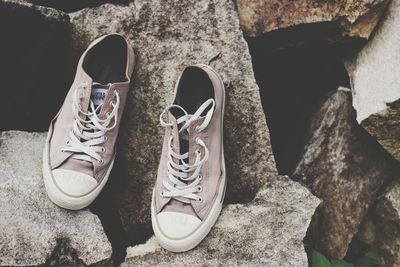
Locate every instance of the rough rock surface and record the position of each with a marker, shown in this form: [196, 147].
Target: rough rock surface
[345, 168]
[36, 62]
[349, 18]
[268, 231]
[166, 37]
[33, 231]
[375, 79]
[381, 229]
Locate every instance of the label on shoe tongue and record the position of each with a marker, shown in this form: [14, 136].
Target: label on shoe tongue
[98, 95]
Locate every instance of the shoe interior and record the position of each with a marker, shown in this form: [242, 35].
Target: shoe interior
[195, 87]
[106, 61]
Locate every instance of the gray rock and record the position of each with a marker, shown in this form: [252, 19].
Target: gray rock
[375, 79]
[330, 18]
[268, 231]
[167, 36]
[35, 52]
[345, 168]
[381, 229]
[33, 231]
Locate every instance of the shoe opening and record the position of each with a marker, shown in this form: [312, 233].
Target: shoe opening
[106, 62]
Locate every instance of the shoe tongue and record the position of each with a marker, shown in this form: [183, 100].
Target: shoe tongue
[183, 139]
[175, 205]
[98, 94]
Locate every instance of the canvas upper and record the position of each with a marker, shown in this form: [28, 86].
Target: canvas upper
[102, 81]
[196, 86]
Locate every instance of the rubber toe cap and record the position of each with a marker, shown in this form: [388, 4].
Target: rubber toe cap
[176, 225]
[73, 183]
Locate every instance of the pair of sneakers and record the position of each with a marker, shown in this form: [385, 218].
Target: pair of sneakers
[80, 148]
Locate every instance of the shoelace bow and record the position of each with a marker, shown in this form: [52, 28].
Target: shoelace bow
[88, 134]
[180, 185]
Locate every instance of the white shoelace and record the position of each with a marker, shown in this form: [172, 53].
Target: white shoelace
[180, 185]
[87, 134]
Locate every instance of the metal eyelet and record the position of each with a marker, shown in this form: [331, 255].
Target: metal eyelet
[197, 151]
[101, 161]
[105, 138]
[200, 177]
[103, 149]
[162, 194]
[199, 188]
[200, 199]
[68, 142]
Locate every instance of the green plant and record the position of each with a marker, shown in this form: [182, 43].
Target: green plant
[368, 260]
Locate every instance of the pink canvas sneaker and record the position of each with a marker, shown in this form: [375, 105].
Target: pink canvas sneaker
[190, 187]
[80, 146]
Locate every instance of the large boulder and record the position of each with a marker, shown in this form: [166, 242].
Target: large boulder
[309, 21]
[268, 231]
[34, 231]
[345, 168]
[166, 37]
[375, 79]
[36, 64]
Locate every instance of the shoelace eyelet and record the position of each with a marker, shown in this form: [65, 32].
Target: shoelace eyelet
[200, 199]
[162, 194]
[197, 151]
[105, 138]
[101, 161]
[199, 188]
[68, 142]
[103, 149]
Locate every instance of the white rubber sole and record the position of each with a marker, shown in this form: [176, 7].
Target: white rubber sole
[192, 240]
[57, 196]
